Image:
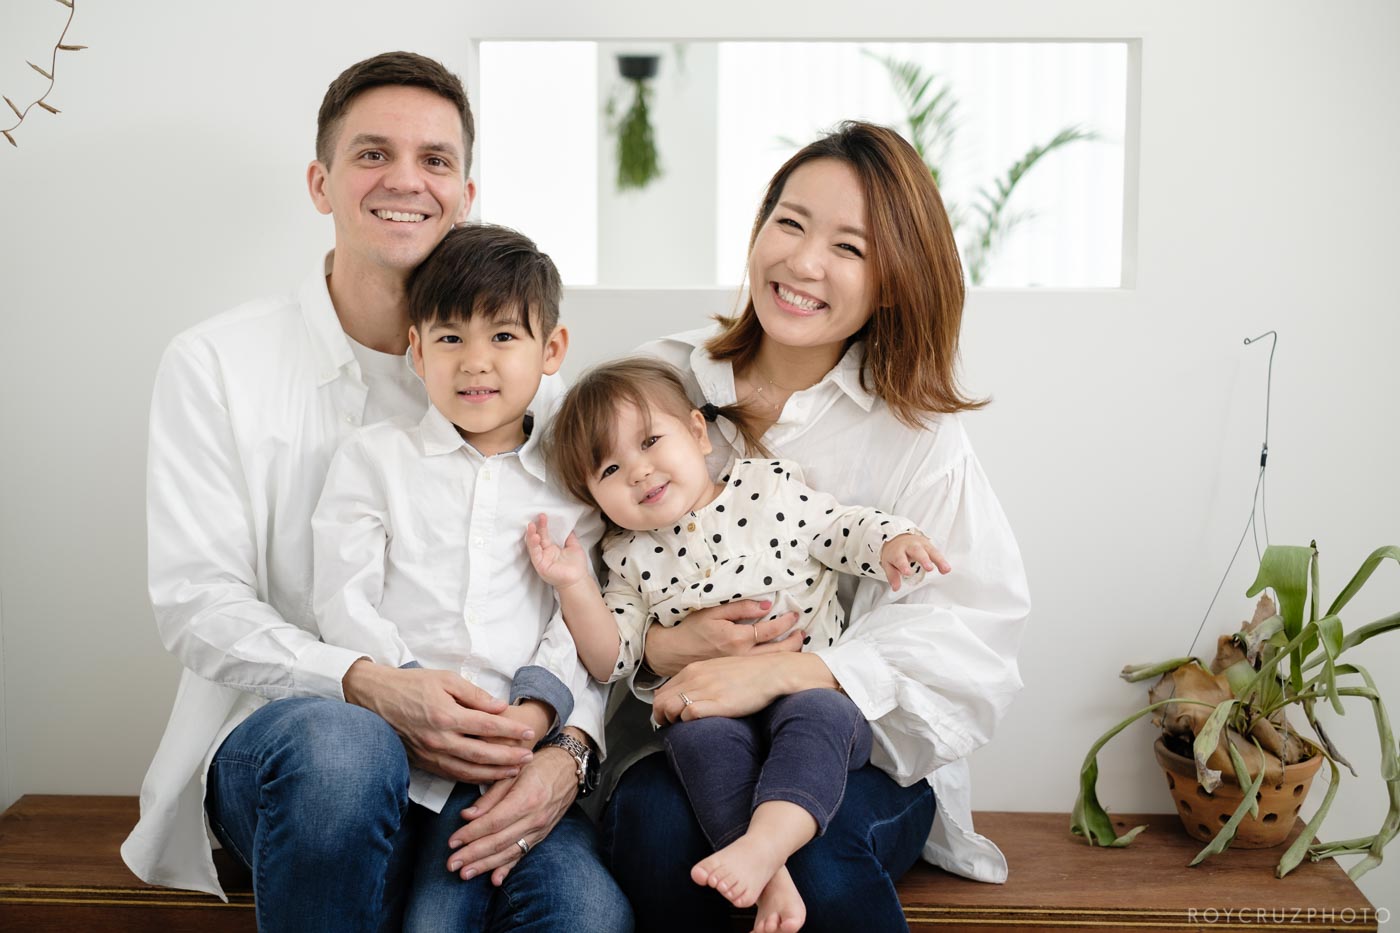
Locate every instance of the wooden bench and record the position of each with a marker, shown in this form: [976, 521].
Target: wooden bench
[60, 871]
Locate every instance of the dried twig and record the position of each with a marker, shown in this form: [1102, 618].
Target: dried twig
[46, 72]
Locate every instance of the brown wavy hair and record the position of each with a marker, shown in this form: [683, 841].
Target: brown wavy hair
[911, 341]
[580, 434]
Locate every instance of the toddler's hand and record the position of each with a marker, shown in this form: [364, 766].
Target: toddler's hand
[904, 555]
[559, 567]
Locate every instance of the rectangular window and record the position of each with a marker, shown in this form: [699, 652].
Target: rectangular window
[1027, 140]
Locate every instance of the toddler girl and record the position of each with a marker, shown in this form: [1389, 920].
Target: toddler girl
[627, 439]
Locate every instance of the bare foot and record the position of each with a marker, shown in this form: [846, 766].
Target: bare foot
[780, 907]
[741, 870]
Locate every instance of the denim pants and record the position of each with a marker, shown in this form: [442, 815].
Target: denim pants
[312, 795]
[846, 876]
[797, 750]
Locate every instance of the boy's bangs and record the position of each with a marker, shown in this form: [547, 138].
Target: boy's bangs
[505, 312]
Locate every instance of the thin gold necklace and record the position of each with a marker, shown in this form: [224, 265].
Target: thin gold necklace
[760, 393]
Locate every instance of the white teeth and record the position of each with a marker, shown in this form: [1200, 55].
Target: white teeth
[478, 391]
[806, 304]
[401, 216]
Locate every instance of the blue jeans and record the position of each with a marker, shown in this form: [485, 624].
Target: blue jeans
[312, 795]
[797, 750]
[846, 876]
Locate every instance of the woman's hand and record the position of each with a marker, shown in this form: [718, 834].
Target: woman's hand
[904, 555]
[733, 687]
[557, 566]
[719, 632]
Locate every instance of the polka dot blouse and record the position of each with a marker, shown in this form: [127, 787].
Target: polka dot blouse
[767, 535]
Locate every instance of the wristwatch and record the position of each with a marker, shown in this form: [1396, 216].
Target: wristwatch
[585, 761]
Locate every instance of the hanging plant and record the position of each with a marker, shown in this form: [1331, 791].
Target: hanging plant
[637, 161]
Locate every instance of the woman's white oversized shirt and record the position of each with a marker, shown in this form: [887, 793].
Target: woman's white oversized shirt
[933, 669]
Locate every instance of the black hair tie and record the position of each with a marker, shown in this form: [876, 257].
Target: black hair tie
[709, 411]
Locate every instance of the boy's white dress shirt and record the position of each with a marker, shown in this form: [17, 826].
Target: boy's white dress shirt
[420, 558]
[933, 669]
[247, 410]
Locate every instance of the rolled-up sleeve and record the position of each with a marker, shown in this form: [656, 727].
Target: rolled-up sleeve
[203, 550]
[934, 669]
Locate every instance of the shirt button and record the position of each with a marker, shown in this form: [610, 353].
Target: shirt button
[485, 474]
[349, 419]
[471, 616]
[479, 542]
[690, 527]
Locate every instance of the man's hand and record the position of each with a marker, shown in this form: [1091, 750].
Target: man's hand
[447, 723]
[560, 567]
[719, 632]
[527, 807]
[904, 555]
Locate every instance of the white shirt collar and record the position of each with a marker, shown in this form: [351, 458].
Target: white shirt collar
[716, 377]
[440, 436]
[329, 344]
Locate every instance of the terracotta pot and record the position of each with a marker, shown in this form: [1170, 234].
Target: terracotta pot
[1203, 814]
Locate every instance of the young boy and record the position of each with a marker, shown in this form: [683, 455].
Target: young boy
[417, 558]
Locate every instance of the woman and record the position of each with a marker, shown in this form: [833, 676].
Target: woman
[847, 349]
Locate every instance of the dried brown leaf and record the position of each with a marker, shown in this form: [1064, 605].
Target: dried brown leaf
[47, 107]
[10, 138]
[1264, 609]
[1227, 654]
[1191, 682]
[19, 113]
[40, 70]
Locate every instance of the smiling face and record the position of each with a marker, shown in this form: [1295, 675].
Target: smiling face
[482, 374]
[395, 183]
[655, 471]
[809, 277]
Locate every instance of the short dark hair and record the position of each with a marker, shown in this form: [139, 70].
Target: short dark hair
[489, 270]
[406, 69]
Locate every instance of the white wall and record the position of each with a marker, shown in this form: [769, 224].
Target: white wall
[655, 238]
[1126, 425]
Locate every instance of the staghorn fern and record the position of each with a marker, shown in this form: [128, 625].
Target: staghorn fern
[1312, 650]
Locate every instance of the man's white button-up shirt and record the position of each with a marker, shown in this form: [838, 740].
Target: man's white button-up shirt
[247, 410]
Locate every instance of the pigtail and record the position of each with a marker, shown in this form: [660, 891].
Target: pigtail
[741, 415]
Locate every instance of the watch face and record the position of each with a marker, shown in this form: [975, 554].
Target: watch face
[590, 774]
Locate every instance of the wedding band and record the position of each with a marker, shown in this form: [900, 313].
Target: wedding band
[524, 846]
[686, 700]
[755, 634]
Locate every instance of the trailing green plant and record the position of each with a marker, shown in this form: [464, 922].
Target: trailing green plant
[1279, 659]
[637, 162]
[931, 126]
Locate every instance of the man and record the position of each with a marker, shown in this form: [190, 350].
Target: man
[247, 410]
